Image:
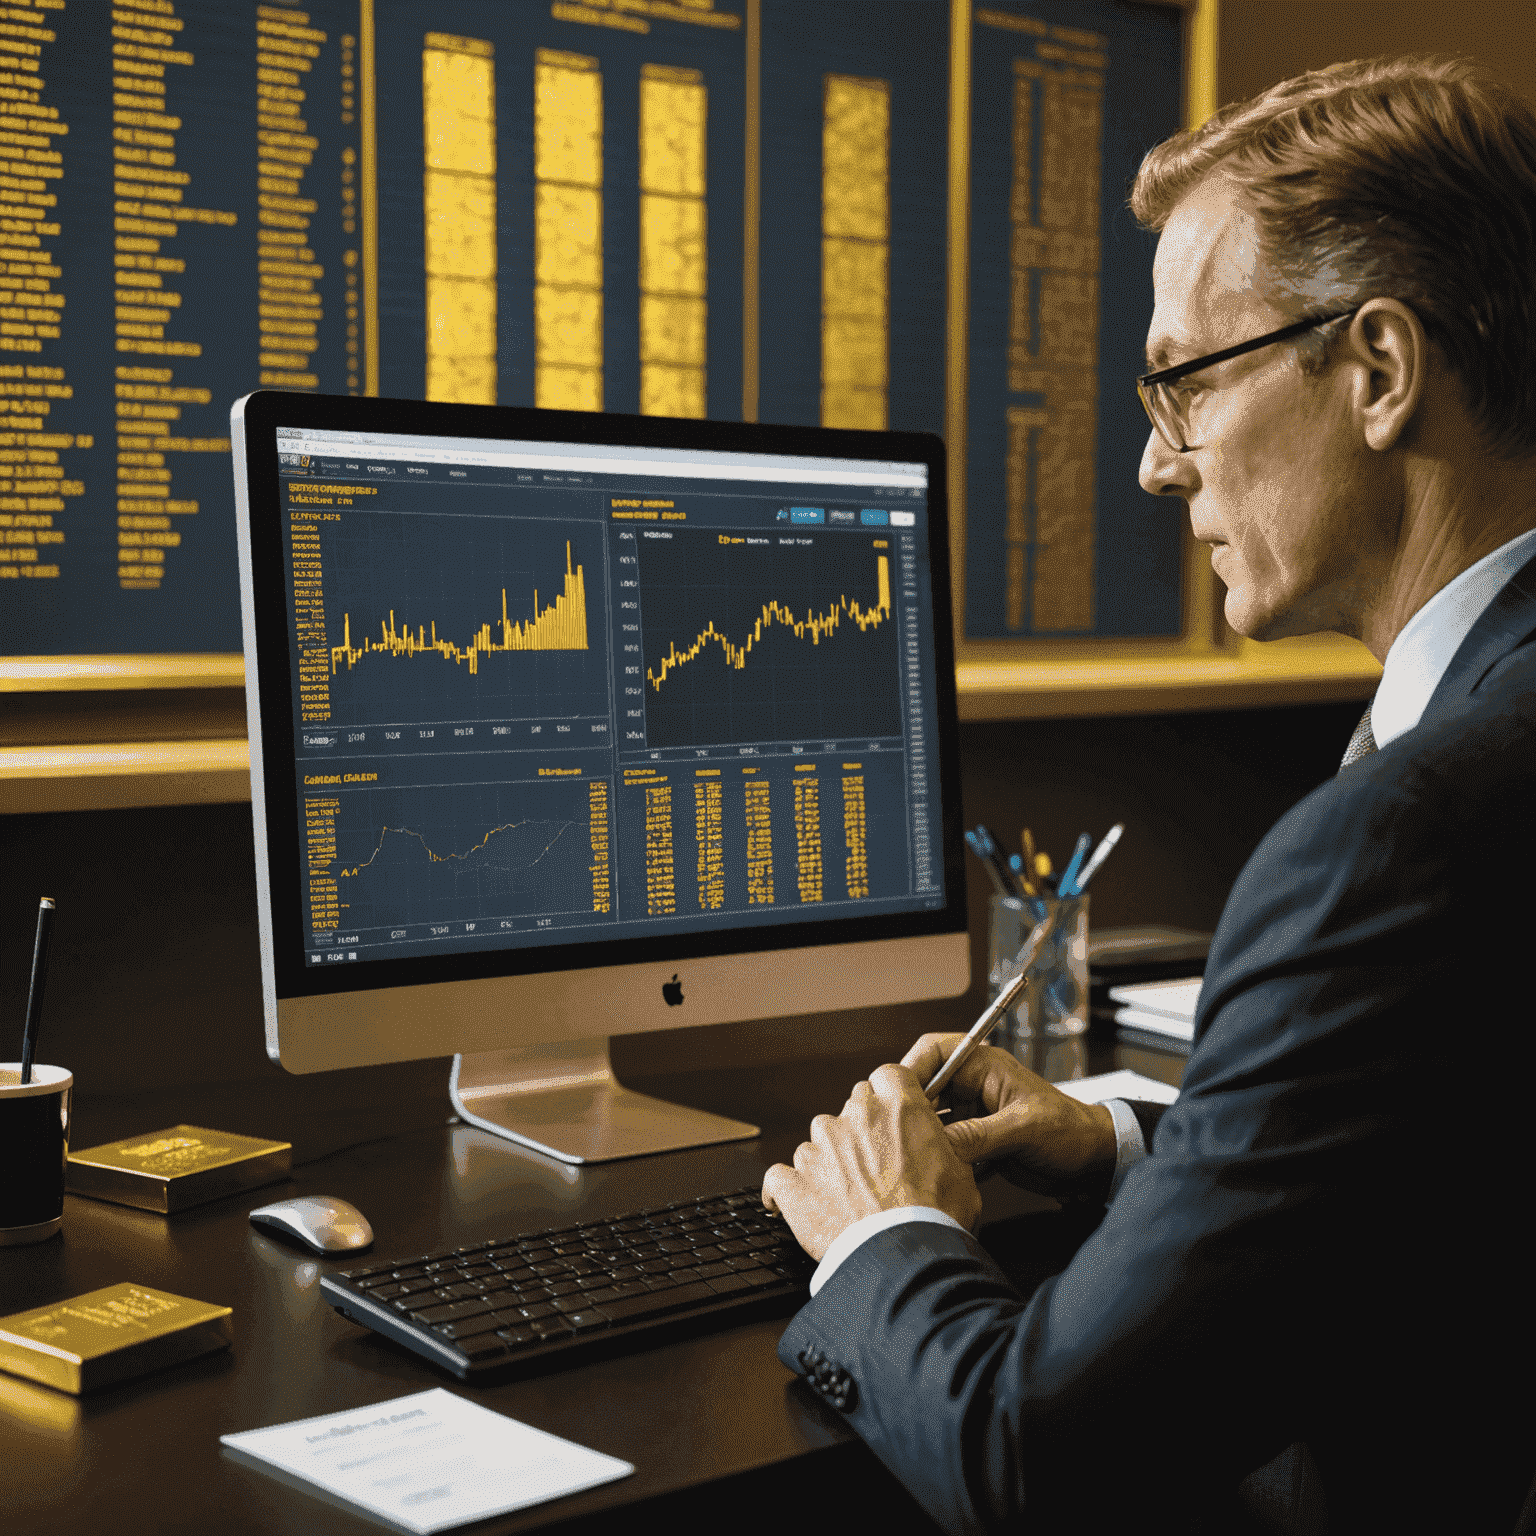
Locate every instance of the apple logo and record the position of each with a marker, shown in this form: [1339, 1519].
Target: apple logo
[672, 991]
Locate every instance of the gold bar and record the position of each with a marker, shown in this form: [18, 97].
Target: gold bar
[568, 231]
[855, 252]
[110, 1335]
[458, 82]
[182, 1166]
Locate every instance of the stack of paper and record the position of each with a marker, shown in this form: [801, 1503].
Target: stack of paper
[1159, 1007]
[1123, 1084]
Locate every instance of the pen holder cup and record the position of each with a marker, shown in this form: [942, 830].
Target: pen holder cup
[34, 1142]
[1054, 1001]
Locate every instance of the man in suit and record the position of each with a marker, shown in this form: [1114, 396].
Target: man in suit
[1303, 1308]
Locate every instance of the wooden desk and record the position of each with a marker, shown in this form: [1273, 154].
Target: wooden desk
[714, 1425]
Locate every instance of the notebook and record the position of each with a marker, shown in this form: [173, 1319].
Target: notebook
[1159, 1007]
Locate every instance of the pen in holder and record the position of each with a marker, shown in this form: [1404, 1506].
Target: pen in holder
[1054, 1001]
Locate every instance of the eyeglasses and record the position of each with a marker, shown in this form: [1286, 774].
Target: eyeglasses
[1164, 406]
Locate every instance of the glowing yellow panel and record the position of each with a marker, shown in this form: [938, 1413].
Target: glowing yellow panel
[855, 252]
[568, 235]
[672, 245]
[459, 211]
[568, 231]
[672, 330]
[459, 107]
[847, 406]
[853, 351]
[674, 254]
[855, 278]
[567, 389]
[460, 225]
[461, 380]
[568, 326]
[672, 123]
[855, 151]
[461, 316]
[669, 391]
[567, 119]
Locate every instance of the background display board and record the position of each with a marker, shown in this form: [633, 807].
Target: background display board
[1060, 540]
[676, 207]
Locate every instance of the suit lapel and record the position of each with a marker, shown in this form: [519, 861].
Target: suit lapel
[1508, 622]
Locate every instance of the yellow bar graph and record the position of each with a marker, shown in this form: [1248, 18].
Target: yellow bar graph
[674, 272]
[458, 88]
[559, 626]
[568, 231]
[855, 252]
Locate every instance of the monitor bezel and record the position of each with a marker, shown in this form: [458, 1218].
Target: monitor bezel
[269, 683]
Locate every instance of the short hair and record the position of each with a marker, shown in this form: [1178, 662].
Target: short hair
[1411, 178]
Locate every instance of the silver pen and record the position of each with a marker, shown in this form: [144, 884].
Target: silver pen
[993, 1016]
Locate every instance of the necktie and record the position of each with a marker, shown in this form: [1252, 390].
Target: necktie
[1361, 744]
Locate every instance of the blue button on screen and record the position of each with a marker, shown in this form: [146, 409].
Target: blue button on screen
[873, 517]
[807, 515]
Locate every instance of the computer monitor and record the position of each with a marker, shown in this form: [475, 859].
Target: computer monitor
[567, 725]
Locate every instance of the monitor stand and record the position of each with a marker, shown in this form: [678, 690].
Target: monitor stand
[564, 1101]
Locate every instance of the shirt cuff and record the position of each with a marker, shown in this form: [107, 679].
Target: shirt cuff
[866, 1227]
[1130, 1148]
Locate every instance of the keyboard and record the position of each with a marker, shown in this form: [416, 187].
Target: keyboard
[544, 1300]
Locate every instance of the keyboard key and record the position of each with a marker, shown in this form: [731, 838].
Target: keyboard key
[467, 1327]
[533, 1312]
[483, 1347]
[451, 1312]
[518, 1335]
[354, 1275]
[555, 1324]
[709, 1271]
[420, 1302]
[584, 1322]
[628, 1309]
[597, 1298]
[724, 1283]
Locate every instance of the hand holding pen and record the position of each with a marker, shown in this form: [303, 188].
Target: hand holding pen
[993, 1015]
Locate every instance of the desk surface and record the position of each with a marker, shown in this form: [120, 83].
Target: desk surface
[707, 1422]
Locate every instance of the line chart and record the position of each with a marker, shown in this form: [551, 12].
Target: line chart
[773, 612]
[783, 638]
[473, 854]
[561, 828]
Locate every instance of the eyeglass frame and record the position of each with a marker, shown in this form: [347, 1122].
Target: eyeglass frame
[1179, 370]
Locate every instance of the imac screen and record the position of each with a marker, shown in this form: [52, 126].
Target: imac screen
[552, 694]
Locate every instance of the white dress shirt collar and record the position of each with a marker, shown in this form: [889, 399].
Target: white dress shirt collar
[1430, 639]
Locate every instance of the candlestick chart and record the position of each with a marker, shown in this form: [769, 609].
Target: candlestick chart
[780, 639]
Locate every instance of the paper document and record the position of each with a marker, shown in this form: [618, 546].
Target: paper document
[1156, 1023]
[1176, 999]
[1123, 1084]
[430, 1461]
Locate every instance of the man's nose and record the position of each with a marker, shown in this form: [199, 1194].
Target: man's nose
[1163, 472]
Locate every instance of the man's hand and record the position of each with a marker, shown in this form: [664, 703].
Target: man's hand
[1042, 1138]
[887, 1149]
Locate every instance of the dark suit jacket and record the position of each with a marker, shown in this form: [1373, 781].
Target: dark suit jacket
[1323, 1244]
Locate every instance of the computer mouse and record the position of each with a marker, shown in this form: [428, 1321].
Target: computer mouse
[322, 1222]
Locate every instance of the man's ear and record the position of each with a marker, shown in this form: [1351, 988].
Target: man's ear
[1387, 344]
